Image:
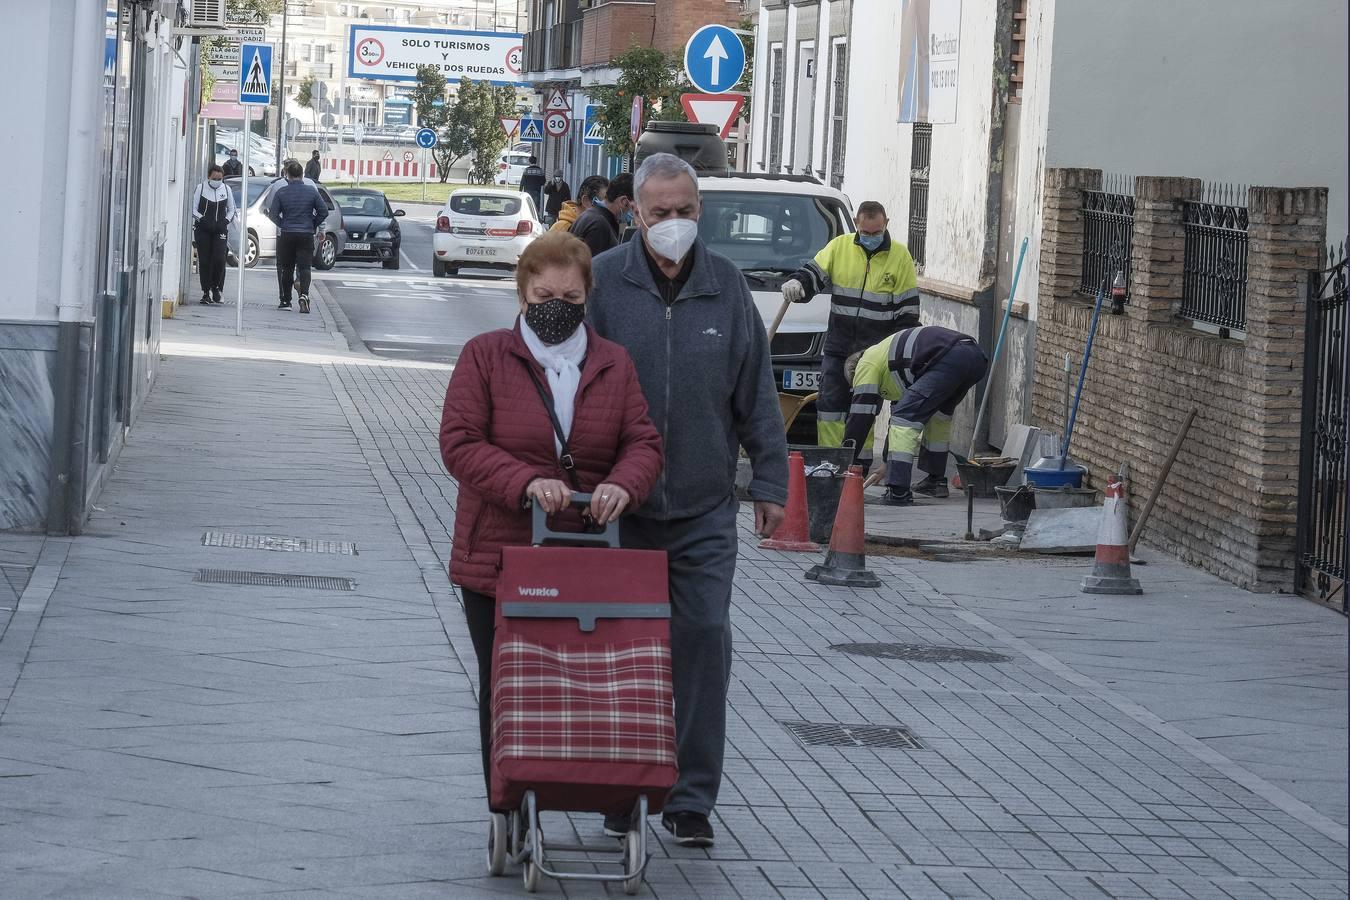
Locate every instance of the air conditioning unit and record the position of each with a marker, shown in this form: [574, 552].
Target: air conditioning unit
[206, 13]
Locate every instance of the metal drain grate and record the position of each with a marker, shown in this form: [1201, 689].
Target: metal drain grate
[234, 541]
[834, 734]
[274, 579]
[921, 653]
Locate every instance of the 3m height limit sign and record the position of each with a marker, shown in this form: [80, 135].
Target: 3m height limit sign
[387, 53]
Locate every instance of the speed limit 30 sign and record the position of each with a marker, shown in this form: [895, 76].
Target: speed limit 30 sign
[556, 123]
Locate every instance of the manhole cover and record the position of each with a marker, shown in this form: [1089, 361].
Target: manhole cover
[921, 653]
[834, 734]
[234, 541]
[274, 579]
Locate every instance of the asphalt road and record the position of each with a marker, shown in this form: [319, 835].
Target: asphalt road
[408, 314]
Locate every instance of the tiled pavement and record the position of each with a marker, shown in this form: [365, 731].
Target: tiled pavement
[172, 738]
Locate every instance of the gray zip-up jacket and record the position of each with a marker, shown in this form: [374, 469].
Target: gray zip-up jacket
[703, 363]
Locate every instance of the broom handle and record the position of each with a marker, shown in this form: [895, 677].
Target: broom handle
[778, 320]
[1082, 375]
[1162, 478]
[998, 348]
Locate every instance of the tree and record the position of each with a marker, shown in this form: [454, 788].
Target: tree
[428, 97]
[304, 95]
[473, 124]
[747, 83]
[647, 73]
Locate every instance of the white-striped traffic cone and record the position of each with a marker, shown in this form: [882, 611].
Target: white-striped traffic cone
[1111, 568]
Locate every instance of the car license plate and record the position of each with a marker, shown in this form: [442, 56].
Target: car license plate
[480, 251]
[356, 246]
[798, 379]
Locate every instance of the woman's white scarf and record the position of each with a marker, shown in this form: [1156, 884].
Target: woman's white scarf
[562, 365]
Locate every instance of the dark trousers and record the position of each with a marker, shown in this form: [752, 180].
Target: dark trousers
[702, 563]
[210, 259]
[481, 612]
[934, 394]
[295, 253]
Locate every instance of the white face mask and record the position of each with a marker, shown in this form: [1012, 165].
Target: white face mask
[672, 238]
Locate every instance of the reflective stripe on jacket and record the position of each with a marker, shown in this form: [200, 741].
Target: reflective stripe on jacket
[871, 295]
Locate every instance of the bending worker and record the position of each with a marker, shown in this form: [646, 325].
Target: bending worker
[925, 372]
[874, 293]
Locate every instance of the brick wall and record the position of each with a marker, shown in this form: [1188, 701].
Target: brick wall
[1230, 502]
[612, 28]
[676, 20]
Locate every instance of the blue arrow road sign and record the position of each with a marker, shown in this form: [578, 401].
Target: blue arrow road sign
[426, 138]
[255, 73]
[714, 59]
[591, 135]
[532, 130]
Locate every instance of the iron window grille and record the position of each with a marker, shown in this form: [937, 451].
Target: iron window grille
[920, 156]
[838, 111]
[1108, 229]
[775, 109]
[1214, 270]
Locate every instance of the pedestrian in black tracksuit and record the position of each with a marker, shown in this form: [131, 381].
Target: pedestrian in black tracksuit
[212, 212]
[298, 212]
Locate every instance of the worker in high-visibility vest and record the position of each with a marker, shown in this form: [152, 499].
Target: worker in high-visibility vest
[925, 372]
[874, 292]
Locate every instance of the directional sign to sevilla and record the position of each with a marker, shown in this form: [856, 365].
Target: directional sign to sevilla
[714, 59]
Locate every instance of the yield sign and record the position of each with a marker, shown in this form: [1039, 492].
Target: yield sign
[713, 109]
[557, 102]
[509, 126]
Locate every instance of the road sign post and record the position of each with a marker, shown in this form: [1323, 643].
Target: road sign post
[359, 136]
[426, 139]
[255, 89]
[532, 130]
[590, 129]
[714, 59]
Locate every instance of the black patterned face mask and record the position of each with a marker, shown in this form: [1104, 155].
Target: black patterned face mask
[554, 320]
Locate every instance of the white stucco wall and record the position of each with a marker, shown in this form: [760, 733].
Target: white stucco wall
[1029, 173]
[878, 155]
[1231, 90]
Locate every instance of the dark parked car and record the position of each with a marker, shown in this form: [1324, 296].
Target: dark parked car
[372, 226]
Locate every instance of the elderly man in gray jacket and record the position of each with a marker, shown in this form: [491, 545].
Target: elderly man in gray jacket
[685, 315]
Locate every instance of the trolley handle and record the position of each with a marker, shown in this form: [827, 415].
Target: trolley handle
[542, 535]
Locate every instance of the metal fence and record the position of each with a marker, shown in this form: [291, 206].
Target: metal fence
[918, 192]
[1108, 229]
[1214, 280]
[1321, 557]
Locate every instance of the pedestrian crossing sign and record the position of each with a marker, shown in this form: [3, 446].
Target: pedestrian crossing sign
[591, 135]
[532, 130]
[255, 74]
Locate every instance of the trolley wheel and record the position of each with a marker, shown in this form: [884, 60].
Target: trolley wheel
[633, 858]
[496, 849]
[530, 876]
[515, 835]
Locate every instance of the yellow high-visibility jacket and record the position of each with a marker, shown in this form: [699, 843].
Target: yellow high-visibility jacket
[871, 295]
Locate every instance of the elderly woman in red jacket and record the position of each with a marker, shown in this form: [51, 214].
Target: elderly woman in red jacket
[504, 445]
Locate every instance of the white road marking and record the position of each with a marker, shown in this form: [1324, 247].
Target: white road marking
[407, 259]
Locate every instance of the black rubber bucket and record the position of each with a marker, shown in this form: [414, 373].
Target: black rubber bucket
[825, 471]
[1016, 502]
[981, 479]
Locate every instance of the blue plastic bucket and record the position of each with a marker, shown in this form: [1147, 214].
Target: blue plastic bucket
[1072, 476]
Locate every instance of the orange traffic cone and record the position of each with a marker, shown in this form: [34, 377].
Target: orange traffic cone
[846, 563]
[1111, 567]
[794, 533]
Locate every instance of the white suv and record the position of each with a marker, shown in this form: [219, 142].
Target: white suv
[770, 226]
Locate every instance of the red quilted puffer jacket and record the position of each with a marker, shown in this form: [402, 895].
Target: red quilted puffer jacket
[496, 437]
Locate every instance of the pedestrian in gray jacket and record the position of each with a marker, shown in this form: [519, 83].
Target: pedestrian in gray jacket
[685, 315]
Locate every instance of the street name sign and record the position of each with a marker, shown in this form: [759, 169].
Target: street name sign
[714, 59]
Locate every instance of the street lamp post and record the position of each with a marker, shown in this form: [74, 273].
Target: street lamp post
[281, 91]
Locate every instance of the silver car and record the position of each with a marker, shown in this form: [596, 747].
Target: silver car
[262, 234]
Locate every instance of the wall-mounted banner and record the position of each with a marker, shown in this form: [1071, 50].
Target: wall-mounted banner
[386, 53]
[930, 44]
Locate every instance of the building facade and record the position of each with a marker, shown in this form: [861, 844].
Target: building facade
[95, 247]
[571, 46]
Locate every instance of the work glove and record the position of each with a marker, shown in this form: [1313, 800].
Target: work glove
[793, 292]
